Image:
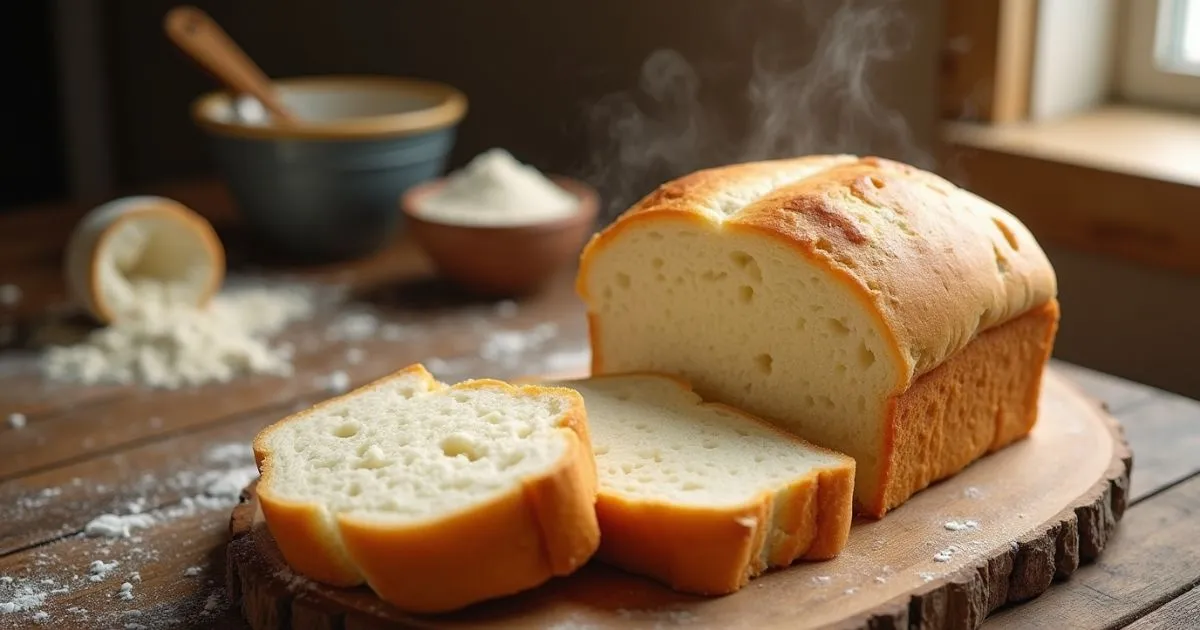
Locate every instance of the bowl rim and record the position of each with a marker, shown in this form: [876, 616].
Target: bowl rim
[589, 207]
[450, 108]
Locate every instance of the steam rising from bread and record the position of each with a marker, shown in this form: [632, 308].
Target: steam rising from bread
[810, 91]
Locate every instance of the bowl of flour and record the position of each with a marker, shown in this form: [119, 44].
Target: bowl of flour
[499, 227]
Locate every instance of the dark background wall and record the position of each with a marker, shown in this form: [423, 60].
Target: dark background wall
[541, 75]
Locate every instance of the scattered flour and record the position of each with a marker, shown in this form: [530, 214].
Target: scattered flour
[171, 345]
[192, 571]
[958, 526]
[971, 492]
[100, 569]
[16, 420]
[213, 602]
[506, 346]
[496, 189]
[114, 526]
[354, 356]
[126, 591]
[352, 326]
[945, 554]
[926, 577]
[24, 598]
[40, 616]
[821, 580]
[336, 382]
[506, 309]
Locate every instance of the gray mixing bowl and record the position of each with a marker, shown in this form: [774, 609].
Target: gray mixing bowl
[328, 188]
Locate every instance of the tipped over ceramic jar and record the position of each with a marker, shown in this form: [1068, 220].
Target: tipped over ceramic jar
[134, 250]
[500, 228]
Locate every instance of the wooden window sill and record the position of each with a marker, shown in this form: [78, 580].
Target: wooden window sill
[1118, 180]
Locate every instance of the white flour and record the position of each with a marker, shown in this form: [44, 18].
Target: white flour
[497, 190]
[172, 345]
[16, 420]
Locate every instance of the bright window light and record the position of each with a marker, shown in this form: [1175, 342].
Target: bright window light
[1178, 36]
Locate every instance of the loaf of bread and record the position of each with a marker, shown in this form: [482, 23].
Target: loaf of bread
[437, 497]
[867, 306]
[701, 496]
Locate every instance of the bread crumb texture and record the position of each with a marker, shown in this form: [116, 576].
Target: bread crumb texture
[381, 485]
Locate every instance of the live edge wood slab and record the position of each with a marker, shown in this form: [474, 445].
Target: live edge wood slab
[998, 533]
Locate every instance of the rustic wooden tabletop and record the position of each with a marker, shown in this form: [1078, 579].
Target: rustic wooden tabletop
[86, 451]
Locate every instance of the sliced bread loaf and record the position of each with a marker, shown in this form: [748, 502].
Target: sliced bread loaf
[867, 306]
[435, 496]
[702, 496]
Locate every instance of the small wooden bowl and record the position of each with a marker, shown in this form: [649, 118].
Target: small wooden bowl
[503, 261]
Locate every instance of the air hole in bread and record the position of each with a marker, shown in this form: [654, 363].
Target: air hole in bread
[747, 264]
[459, 444]
[641, 426]
[525, 430]
[713, 276]
[606, 292]
[823, 244]
[862, 403]
[765, 361]
[758, 459]
[846, 261]
[1008, 234]
[873, 285]
[1001, 260]
[346, 430]
[866, 356]
[746, 293]
[801, 323]
[827, 402]
[838, 326]
[461, 397]
[600, 450]
[841, 369]
[657, 263]
[623, 280]
[875, 182]
[354, 489]
[655, 236]
[710, 444]
[623, 397]
[742, 432]
[691, 486]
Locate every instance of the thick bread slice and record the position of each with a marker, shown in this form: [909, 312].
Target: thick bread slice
[435, 496]
[702, 496]
[823, 294]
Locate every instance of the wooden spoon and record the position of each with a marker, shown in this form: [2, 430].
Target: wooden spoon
[201, 38]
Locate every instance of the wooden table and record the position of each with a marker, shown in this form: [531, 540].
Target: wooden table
[86, 451]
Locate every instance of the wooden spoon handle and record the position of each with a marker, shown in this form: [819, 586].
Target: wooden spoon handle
[205, 41]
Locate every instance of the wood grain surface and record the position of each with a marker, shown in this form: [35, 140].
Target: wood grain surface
[1039, 509]
[87, 451]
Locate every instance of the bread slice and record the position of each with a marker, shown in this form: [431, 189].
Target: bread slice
[866, 306]
[702, 496]
[435, 496]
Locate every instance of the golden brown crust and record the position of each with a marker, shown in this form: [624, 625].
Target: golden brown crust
[716, 551]
[901, 238]
[981, 399]
[547, 526]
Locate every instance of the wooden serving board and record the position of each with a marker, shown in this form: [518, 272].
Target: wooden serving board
[1040, 508]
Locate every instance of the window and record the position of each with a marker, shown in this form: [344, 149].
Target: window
[1177, 36]
[1160, 53]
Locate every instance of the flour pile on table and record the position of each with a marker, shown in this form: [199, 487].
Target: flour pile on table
[166, 344]
[217, 488]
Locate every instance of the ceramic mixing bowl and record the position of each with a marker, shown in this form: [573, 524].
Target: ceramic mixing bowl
[327, 188]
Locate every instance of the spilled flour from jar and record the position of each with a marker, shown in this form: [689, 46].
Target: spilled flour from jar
[171, 344]
[497, 190]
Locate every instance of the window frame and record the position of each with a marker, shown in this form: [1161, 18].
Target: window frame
[1141, 78]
